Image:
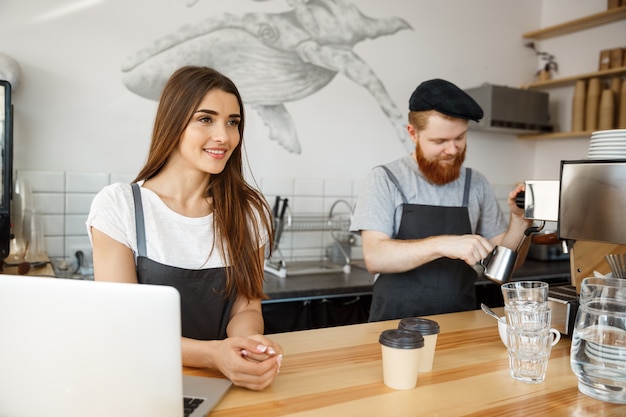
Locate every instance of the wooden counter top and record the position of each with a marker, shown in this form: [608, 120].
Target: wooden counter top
[338, 372]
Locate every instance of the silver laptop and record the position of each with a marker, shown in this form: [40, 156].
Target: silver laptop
[82, 348]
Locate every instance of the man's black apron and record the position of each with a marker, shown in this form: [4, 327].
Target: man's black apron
[205, 310]
[441, 286]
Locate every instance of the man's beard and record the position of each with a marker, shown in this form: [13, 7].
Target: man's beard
[435, 171]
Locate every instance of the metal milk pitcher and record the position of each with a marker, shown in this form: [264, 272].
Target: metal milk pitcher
[499, 264]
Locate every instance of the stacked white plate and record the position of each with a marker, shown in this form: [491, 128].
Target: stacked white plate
[612, 346]
[608, 144]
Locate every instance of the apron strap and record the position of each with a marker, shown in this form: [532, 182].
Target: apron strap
[468, 180]
[139, 224]
[395, 182]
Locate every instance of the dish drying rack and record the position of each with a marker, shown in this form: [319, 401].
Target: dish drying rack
[335, 224]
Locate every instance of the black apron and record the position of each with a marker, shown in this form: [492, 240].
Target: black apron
[442, 286]
[205, 308]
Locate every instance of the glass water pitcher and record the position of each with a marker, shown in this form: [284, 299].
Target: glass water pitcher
[598, 352]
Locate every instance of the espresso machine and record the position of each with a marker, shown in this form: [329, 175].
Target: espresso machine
[589, 205]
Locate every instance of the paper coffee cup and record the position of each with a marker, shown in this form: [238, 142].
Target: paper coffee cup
[401, 356]
[429, 329]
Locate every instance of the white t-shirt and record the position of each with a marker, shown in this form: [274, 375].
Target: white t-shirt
[171, 239]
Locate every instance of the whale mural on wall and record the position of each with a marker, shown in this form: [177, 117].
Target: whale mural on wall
[273, 58]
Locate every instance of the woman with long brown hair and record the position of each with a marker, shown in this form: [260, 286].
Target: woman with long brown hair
[190, 220]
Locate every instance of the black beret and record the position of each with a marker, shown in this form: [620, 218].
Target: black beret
[446, 98]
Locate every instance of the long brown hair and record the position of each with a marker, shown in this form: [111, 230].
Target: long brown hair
[237, 207]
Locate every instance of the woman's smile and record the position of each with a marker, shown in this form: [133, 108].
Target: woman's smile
[216, 153]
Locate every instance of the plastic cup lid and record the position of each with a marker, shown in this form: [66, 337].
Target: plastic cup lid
[419, 324]
[401, 339]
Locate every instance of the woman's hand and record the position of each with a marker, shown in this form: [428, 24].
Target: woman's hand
[266, 349]
[251, 362]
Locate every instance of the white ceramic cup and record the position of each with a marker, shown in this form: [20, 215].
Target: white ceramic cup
[556, 335]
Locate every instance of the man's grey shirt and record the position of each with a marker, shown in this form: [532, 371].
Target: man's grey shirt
[379, 206]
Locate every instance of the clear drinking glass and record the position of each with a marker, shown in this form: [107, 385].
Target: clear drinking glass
[598, 352]
[536, 319]
[525, 294]
[529, 352]
[529, 342]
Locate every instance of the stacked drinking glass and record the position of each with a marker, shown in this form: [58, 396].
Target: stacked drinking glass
[529, 337]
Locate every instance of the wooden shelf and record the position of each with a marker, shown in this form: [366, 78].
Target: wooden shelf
[557, 82]
[556, 135]
[587, 22]
[598, 19]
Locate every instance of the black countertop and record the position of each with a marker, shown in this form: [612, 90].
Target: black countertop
[359, 281]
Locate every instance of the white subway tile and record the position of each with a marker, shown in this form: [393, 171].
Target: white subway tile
[78, 203]
[53, 225]
[307, 205]
[123, 178]
[85, 182]
[44, 181]
[54, 246]
[48, 203]
[75, 224]
[308, 187]
[357, 186]
[337, 188]
[278, 186]
[338, 206]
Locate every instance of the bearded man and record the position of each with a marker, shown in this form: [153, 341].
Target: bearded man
[425, 219]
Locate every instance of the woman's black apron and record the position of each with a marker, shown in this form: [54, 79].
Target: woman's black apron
[205, 310]
[442, 286]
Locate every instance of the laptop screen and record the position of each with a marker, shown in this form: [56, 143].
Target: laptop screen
[78, 348]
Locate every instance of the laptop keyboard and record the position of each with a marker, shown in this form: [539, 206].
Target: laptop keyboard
[191, 404]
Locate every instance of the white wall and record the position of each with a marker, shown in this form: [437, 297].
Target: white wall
[73, 113]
